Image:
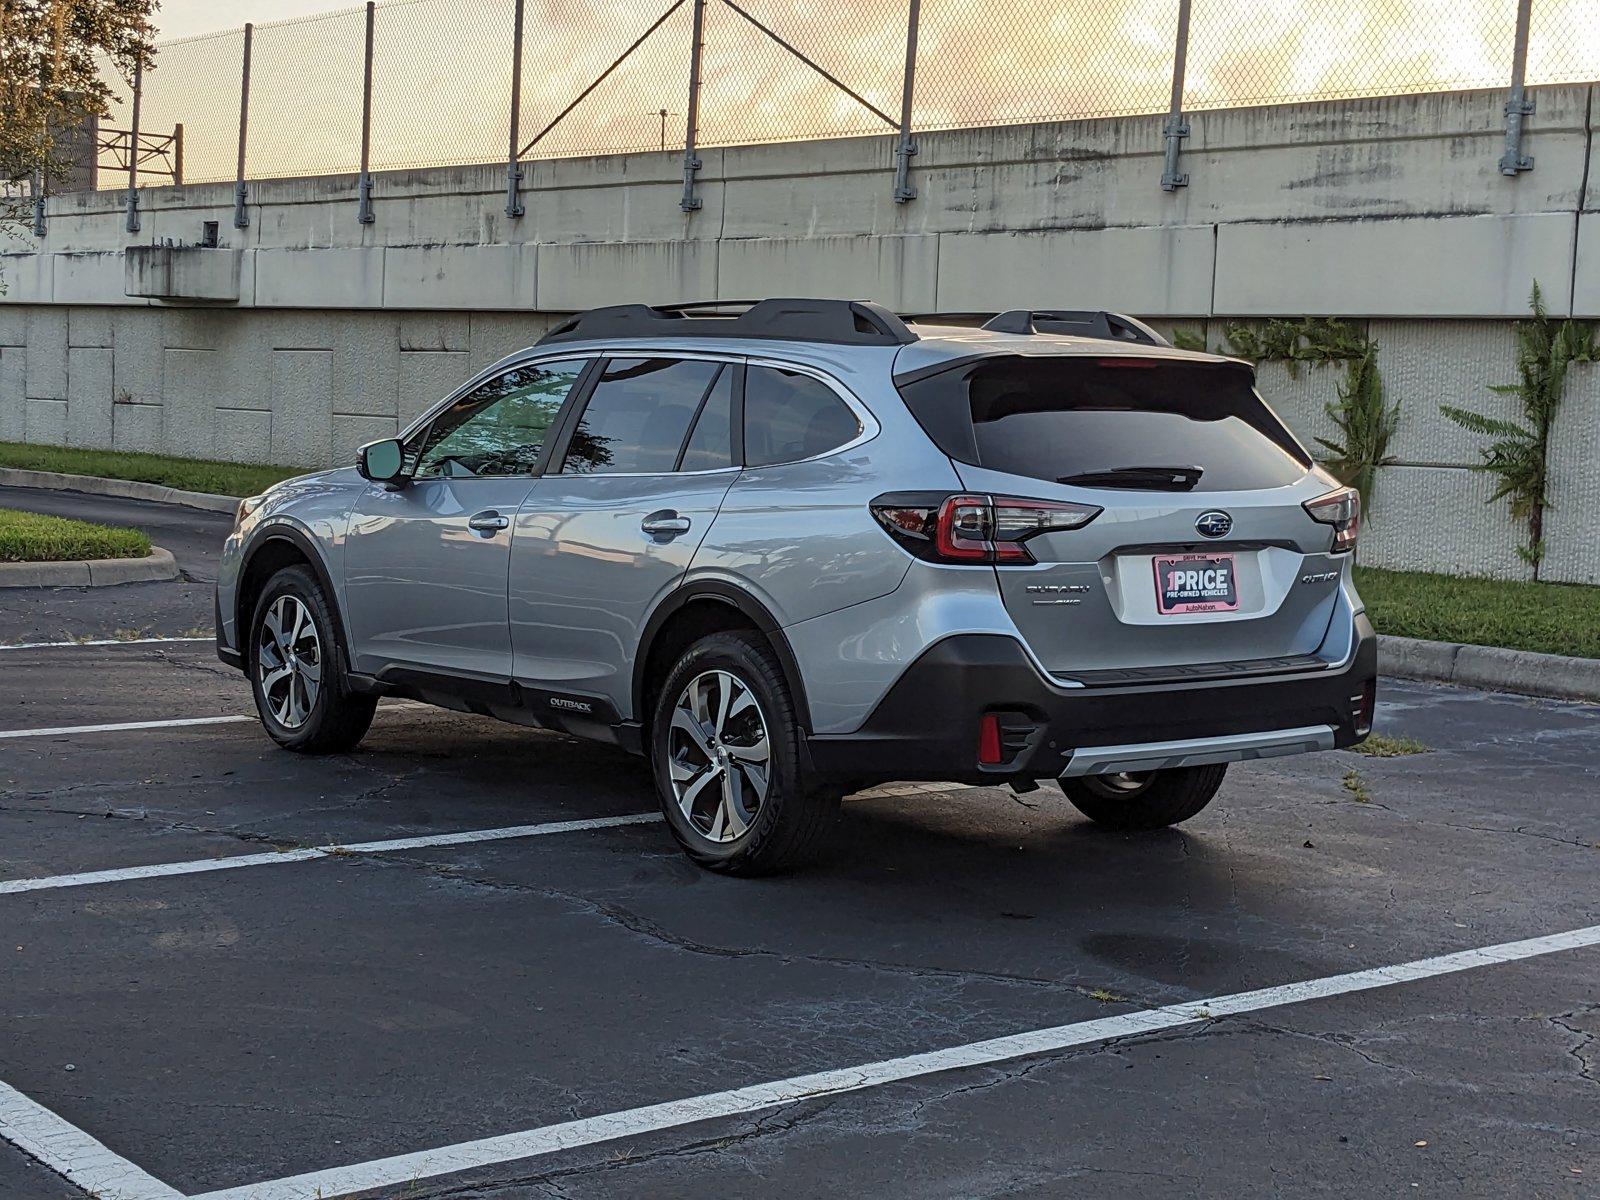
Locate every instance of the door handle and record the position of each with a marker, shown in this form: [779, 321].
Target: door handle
[665, 523]
[487, 521]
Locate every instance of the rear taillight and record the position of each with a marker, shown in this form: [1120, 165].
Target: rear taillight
[1342, 510]
[974, 529]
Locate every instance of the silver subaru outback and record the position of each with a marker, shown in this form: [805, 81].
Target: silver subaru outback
[793, 548]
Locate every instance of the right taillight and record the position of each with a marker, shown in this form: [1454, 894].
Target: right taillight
[1342, 510]
[974, 529]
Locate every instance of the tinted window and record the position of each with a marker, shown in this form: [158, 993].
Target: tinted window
[637, 417]
[711, 443]
[499, 428]
[1056, 418]
[789, 416]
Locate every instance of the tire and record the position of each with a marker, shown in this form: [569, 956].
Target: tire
[1154, 800]
[724, 695]
[312, 708]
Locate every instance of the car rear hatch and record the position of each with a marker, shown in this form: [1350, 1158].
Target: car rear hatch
[1203, 560]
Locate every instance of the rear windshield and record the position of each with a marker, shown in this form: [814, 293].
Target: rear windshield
[1103, 418]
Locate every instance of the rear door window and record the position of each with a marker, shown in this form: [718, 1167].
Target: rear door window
[789, 417]
[1131, 422]
[638, 416]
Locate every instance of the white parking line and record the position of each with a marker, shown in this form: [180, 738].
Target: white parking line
[121, 727]
[149, 641]
[465, 1156]
[200, 866]
[69, 1151]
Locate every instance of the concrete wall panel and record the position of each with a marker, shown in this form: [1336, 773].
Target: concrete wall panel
[137, 340]
[193, 387]
[460, 277]
[1439, 519]
[427, 376]
[242, 434]
[1428, 363]
[47, 354]
[1572, 522]
[495, 335]
[88, 397]
[45, 422]
[366, 365]
[1301, 399]
[13, 375]
[343, 278]
[586, 275]
[302, 407]
[1586, 272]
[1426, 266]
[900, 272]
[1165, 271]
[435, 331]
[136, 427]
[89, 326]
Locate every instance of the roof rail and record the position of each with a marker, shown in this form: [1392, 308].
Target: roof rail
[1088, 323]
[847, 322]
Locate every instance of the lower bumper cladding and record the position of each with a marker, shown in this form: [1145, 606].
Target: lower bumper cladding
[928, 725]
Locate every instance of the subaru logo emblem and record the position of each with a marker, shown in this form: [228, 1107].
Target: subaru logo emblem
[1214, 524]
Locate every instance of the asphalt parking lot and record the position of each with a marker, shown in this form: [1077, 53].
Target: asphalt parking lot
[466, 961]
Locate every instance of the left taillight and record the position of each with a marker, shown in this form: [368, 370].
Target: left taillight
[1342, 510]
[974, 529]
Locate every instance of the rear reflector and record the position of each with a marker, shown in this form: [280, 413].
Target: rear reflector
[989, 740]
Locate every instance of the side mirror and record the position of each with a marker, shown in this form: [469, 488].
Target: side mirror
[383, 462]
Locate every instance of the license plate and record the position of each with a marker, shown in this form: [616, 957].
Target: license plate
[1196, 583]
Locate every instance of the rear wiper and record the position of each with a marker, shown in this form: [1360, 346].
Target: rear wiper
[1178, 479]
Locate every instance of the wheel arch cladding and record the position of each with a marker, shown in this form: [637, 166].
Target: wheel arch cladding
[278, 547]
[686, 616]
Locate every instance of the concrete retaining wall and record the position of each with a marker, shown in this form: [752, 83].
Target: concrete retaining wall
[1391, 212]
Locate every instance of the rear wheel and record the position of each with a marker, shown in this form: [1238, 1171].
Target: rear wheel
[297, 669]
[1145, 799]
[725, 746]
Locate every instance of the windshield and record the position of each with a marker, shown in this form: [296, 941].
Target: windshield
[1142, 423]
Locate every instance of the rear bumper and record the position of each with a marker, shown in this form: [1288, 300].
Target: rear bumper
[926, 727]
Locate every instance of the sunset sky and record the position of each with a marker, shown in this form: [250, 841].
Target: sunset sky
[442, 70]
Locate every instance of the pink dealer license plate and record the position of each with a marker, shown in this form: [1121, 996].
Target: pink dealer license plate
[1195, 583]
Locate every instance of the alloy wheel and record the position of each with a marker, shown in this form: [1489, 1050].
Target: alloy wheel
[1121, 784]
[718, 755]
[289, 661]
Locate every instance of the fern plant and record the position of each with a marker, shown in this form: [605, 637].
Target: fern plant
[1364, 423]
[1317, 340]
[1518, 455]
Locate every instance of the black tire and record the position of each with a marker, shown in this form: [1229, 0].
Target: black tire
[791, 823]
[1161, 799]
[337, 717]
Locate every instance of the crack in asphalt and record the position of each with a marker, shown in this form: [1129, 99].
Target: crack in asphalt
[1586, 1039]
[649, 930]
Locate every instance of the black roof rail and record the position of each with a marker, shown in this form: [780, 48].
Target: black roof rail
[1089, 323]
[847, 322]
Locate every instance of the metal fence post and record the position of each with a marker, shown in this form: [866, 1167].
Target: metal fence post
[513, 170]
[1518, 106]
[38, 203]
[691, 160]
[1176, 128]
[364, 188]
[133, 148]
[904, 189]
[177, 154]
[241, 219]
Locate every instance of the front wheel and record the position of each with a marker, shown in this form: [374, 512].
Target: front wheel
[725, 747]
[297, 669]
[1145, 799]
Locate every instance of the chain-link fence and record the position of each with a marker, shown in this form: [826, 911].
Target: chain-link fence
[414, 83]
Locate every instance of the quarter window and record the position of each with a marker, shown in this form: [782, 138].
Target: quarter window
[638, 417]
[710, 443]
[499, 428]
[789, 416]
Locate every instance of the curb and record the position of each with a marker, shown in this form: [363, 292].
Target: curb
[93, 572]
[127, 489]
[1492, 668]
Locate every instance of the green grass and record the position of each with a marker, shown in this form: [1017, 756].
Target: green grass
[29, 537]
[186, 474]
[1553, 618]
[1381, 745]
